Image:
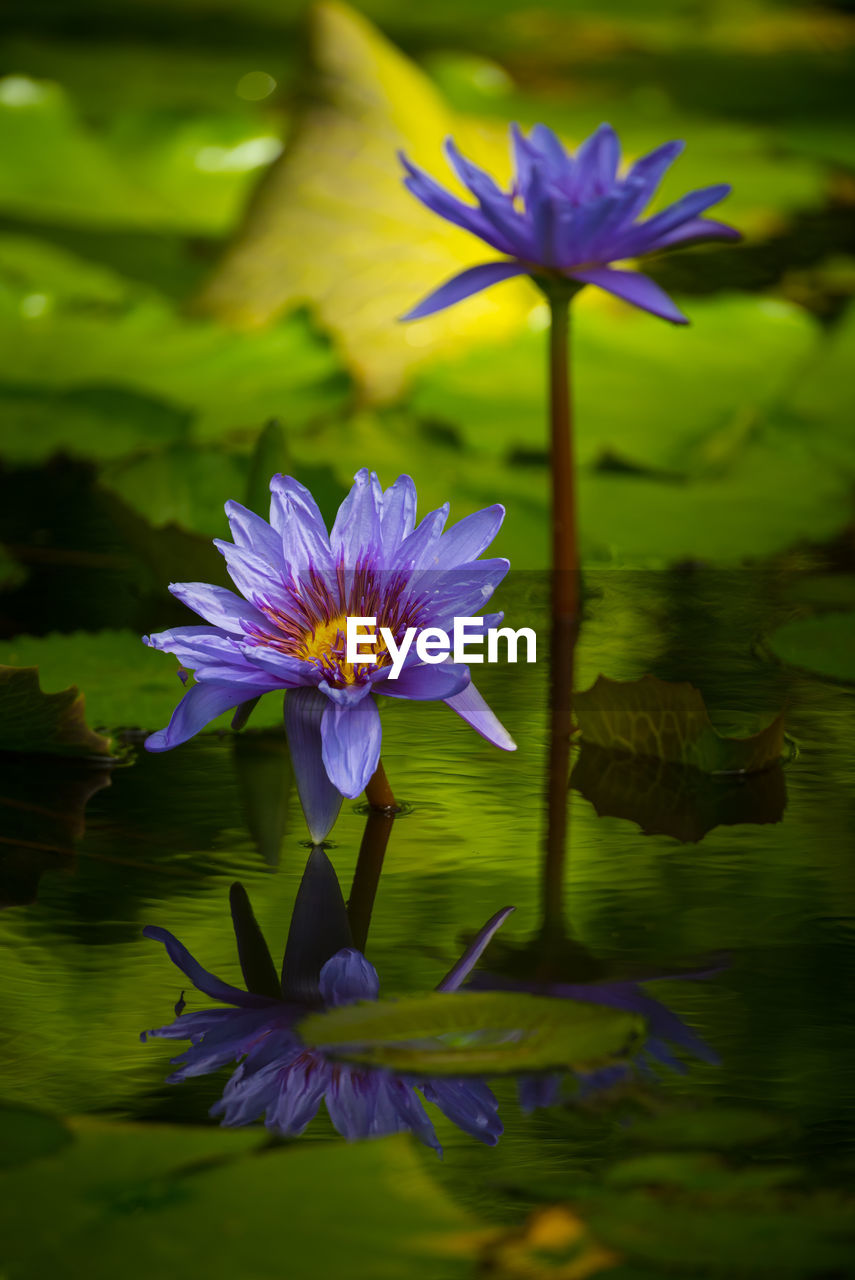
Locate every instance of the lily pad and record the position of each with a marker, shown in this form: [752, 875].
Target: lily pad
[669, 721]
[643, 393]
[180, 1199]
[334, 226]
[485, 1033]
[672, 800]
[126, 684]
[82, 348]
[825, 644]
[44, 723]
[29, 1135]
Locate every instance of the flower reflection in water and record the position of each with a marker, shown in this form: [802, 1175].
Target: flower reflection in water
[664, 1030]
[278, 1076]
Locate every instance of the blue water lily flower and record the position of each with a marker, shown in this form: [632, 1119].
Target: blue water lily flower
[286, 630]
[282, 1079]
[569, 217]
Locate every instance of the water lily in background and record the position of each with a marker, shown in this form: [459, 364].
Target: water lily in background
[286, 630]
[568, 217]
[278, 1076]
[565, 221]
[664, 1030]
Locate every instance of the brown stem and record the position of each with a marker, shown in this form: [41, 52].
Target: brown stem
[366, 877]
[565, 554]
[379, 794]
[565, 632]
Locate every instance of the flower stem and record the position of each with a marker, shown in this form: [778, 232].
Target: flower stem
[565, 632]
[379, 794]
[366, 876]
[565, 554]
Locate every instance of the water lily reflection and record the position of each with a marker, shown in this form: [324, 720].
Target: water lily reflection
[279, 1077]
[666, 1032]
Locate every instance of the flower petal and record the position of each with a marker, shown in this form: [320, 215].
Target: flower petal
[695, 229]
[474, 710]
[597, 160]
[217, 605]
[464, 285]
[348, 977]
[440, 201]
[202, 980]
[470, 1104]
[635, 288]
[356, 531]
[425, 683]
[297, 519]
[398, 514]
[458, 974]
[318, 931]
[471, 536]
[321, 801]
[199, 706]
[351, 745]
[250, 531]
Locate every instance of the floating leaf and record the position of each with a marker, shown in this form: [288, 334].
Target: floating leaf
[183, 1199]
[44, 723]
[43, 804]
[488, 1033]
[126, 684]
[670, 722]
[825, 645]
[29, 1135]
[332, 223]
[672, 800]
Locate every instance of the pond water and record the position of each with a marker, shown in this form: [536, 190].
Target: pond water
[665, 875]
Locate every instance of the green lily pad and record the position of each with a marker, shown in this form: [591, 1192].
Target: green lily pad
[83, 350]
[669, 721]
[825, 644]
[477, 1033]
[181, 1199]
[44, 723]
[29, 1135]
[643, 392]
[126, 685]
[185, 171]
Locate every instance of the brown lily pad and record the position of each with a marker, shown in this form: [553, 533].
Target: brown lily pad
[670, 722]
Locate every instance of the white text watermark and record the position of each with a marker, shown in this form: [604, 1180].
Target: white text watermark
[433, 645]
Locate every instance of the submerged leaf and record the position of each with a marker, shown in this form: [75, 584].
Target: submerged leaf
[672, 800]
[332, 223]
[489, 1032]
[669, 721]
[44, 723]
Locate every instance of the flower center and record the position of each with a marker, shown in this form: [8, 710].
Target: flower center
[326, 646]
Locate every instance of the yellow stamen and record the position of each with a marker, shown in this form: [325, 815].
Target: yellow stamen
[327, 643]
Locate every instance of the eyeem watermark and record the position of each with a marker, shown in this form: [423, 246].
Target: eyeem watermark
[433, 645]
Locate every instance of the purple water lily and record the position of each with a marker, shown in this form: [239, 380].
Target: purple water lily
[568, 217]
[287, 629]
[664, 1029]
[278, 1076]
